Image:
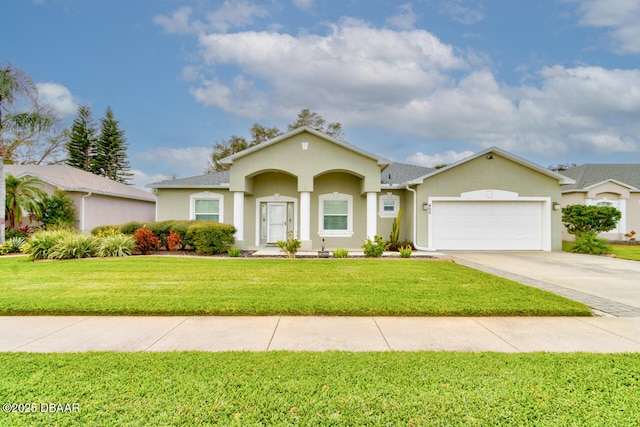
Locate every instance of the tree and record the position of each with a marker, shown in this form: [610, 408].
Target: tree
[581, 219]
[82, 143]
[15, 85]
[260, 134]
[315, 121]
[562, 167]
[111, 151]
[24, 194]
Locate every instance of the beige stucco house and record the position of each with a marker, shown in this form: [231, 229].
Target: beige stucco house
[98, 200]
[616, 185]
[323, 190]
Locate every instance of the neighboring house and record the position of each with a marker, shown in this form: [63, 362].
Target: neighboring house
[616, 185]
[323, 190]
[98, 200]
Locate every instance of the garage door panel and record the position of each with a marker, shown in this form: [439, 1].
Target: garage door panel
[496, 225]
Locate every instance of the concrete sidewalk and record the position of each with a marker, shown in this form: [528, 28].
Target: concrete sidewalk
[501, 334]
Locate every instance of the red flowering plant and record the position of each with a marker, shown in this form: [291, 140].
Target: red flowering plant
[146, 240]
[173, 241]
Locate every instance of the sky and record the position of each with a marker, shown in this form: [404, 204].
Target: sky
[425, 82]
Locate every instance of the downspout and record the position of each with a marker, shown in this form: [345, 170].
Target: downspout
[415, 221]
[82, 213]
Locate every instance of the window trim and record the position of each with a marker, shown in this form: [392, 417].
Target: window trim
[335, 233]
[206, 195]
[396, 205]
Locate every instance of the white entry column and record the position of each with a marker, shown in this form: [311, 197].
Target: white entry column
[372, 214]
[238, 214]
[305, 219]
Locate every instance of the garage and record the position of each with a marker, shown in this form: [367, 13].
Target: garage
[506, 222]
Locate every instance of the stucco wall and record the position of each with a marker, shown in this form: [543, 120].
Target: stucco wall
[101, 210]
[290, 157]
[175, 203]
[498, 173]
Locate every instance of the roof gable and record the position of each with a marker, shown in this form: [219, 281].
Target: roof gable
[230, 159]
[68, 178]
[495, 150]
[590, 175]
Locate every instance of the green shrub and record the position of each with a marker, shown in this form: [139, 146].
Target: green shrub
[234, 252]
[340, 253]
[581, 219]
[405, 251]
[73, 245]
[130, 227]
[115, 244]
[589, 243]
[290, 246]
[40, 244]
[105, 229]
[16, 233]
[375, 248]
[209, 238]
[12, 245]
[57, 212]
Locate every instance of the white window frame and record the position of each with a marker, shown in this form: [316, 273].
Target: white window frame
[206, 195]
[335, 233]
[383, 199]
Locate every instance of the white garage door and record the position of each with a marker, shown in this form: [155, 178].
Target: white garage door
[493, 225]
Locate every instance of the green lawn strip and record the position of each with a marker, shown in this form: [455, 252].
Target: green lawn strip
[204, 286]
[332, 388]
[631, 252]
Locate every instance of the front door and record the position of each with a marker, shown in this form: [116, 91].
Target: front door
[276, 222]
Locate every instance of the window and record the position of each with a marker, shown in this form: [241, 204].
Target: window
[336, 215]
[389, 206]
[207, 209]
[207, 206]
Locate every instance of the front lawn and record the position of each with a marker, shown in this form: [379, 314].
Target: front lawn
[631, 252]
[227, 286]
[332, 388]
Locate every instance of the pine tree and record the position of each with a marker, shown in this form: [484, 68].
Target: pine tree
[82, 141]
[111, 158]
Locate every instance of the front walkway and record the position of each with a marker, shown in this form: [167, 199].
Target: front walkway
[501, 334]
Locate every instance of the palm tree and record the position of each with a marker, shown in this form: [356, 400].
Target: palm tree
[15, 84]
[22, 195]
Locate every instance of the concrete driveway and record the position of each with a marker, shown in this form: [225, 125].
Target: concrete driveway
[607, 285]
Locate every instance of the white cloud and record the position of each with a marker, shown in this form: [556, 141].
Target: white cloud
[231, 14]
[431, 160]
[410, 81]
[303, 4]
[185, 161]
[620, 16]
[405, 19]
[140, 179]
[463, 11]
[58, 97]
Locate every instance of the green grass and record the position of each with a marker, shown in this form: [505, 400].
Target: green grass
[227, 286]
[631, 252]
[333, 388]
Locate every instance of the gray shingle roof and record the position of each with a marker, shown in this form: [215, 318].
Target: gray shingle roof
[400, 173]
[209, 180]
[68, 178]
[590, 174]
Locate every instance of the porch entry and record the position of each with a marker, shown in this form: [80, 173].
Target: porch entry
[276, 221]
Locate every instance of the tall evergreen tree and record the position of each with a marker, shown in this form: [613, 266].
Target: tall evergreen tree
[111, 158]
[82, 140]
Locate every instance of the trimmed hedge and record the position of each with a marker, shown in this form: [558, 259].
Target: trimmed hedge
[206, 237]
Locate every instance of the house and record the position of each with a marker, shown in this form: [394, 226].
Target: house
[327, 192]
[98, 200]
[616, 185]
